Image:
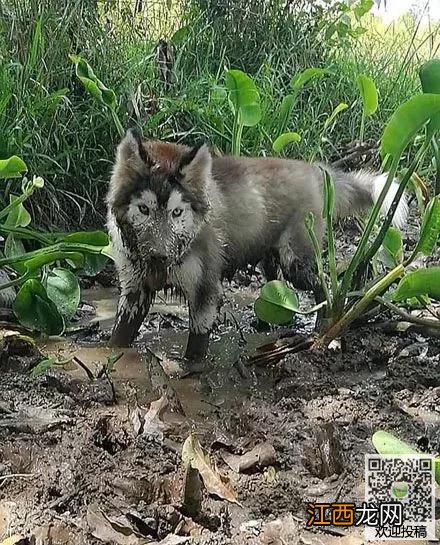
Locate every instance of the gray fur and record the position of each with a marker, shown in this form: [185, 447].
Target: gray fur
[235, 211]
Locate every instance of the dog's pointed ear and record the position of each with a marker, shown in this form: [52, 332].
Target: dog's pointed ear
[132, 151]
[196, 163]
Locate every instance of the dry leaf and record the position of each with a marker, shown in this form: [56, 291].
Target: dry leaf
[193, 455]
[173, 539]
[148, 422]
[111, 531]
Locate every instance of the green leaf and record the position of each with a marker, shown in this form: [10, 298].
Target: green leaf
[93, 85]
[18, 215]
[45, 257]
[301, 79]
[363, 8]
[392, 247]
[369, 94]
[409, 118]
[42, 367]
[430, 228]
[329, 195]
[419, 283]
[13, 246]
[429, 74]
[35, 310]
[285, 111]
[93, 263]
[63, 289]
[181, 35]
[339, 108]
[244, 97]
[284, 139]
[13, 167]
[277, 303]
[387, 443]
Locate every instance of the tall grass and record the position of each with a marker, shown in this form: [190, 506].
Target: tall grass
[46, 117]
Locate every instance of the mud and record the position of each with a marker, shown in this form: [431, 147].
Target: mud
[86, 459]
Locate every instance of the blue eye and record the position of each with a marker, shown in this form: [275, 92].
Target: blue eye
[177, 212]
[144, 209]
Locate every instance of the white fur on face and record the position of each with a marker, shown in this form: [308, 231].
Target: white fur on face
[185, 222]
[134, 215]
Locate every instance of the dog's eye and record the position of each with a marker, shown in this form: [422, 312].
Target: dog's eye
[144, 209]
[177, 212]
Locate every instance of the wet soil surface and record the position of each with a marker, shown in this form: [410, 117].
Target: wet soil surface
[91, 455]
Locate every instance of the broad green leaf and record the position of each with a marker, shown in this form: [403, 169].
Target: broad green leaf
[277, 303]
[271, 313]
[418, 283]
[430, 228]
[285, 111]
[42, 367]
[93, 85]
[18, 216]
[45, 257]
[301, 79]
[392, 247]
[63, 289]
[93, 263]
[244, 97]
[13, 167]
[363, 8]
[284, 139]
[387, 443]
[339, 108]
[181, 35]
[35, 310]
[429, 74]
[407, 120]
[369, 94]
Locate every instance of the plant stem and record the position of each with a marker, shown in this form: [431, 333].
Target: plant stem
[428, 322]
[362, 129]
[357, 309]
[360, 250]
[26, 233]
[117, 123]
[437, 164]
[390, 214]
[318, 259]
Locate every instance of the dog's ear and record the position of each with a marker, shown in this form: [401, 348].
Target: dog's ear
[196, 163]
[132, 151]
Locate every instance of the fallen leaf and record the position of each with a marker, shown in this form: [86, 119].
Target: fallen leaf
[148, 422]
[261, 456]
[111, 530]
[193, 455]
[192, 492]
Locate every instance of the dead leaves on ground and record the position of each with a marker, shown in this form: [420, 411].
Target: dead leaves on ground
[121, 531]
[215, 483]
[148, 422]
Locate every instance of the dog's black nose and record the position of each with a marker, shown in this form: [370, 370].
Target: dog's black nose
[159, 258]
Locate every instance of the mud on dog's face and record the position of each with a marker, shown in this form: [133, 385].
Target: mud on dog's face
[158, 191]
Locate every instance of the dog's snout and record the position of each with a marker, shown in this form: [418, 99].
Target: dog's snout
[159, 257]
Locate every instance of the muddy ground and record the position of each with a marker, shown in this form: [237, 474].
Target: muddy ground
[90, 460]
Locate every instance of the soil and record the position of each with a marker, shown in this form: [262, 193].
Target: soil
[91, 461]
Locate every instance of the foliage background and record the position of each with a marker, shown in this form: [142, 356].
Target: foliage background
[47, 118]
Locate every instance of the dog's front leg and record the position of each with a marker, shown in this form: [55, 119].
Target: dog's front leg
[134, 304]
[203, 311]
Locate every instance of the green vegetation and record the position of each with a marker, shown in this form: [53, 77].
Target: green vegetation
[253, 78]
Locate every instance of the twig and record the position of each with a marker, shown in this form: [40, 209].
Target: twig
[83, 366]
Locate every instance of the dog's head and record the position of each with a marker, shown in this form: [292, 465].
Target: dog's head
[158, 195]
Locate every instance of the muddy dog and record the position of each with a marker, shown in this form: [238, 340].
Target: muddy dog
[179, 217]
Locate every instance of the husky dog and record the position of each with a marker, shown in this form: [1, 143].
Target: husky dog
[179, 217]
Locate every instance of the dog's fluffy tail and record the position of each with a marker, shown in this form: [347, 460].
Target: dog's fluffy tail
[357, 191]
